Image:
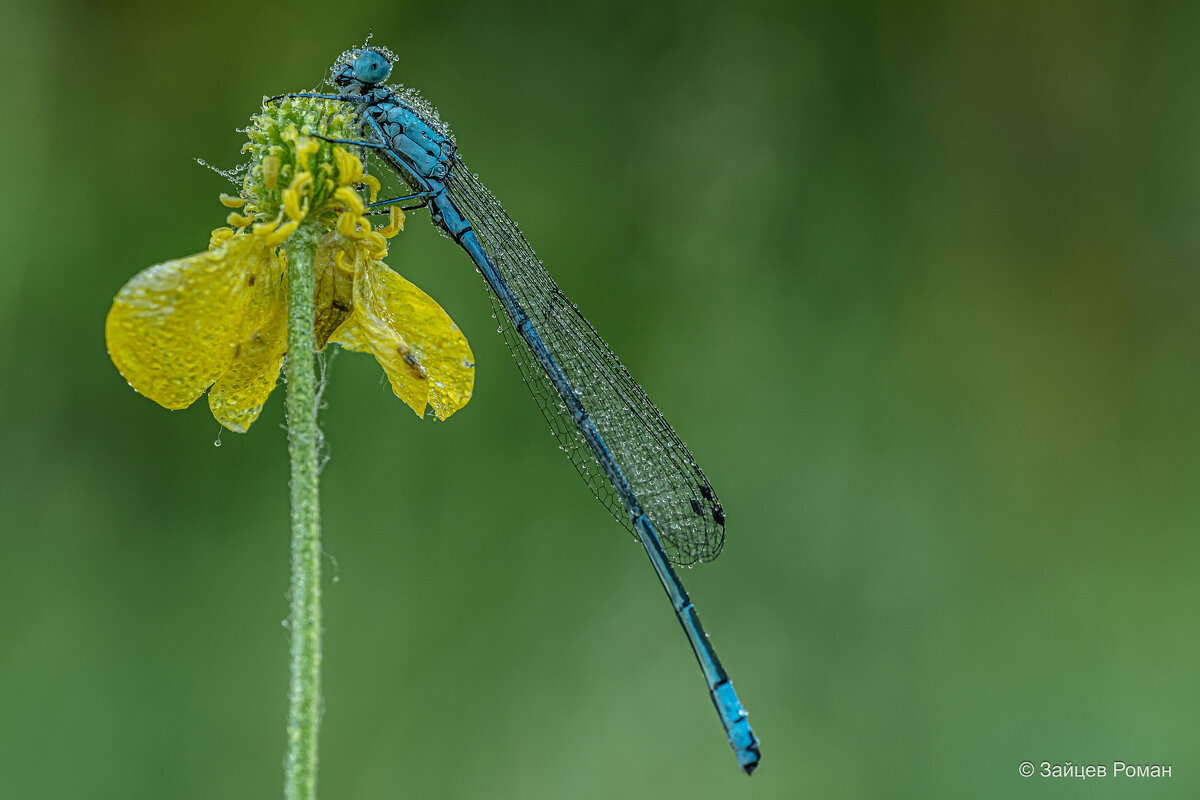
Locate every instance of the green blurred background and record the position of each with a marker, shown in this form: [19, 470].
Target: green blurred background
[916, 282]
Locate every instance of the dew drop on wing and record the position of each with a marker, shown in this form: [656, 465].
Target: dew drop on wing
[656, 462]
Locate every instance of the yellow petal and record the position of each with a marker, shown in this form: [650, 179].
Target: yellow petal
[333, 295]
[237, 398]
[425, 355]
[351, 337]
[173, 328]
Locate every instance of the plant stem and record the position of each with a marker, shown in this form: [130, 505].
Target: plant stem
[304, 621]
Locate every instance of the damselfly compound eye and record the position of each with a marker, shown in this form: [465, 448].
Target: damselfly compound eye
[372, 67]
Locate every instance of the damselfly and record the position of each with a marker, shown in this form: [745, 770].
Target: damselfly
[618, 440]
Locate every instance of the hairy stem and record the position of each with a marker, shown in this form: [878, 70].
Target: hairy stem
[304, 621]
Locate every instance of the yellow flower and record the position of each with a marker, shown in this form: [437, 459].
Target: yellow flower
[217, 320]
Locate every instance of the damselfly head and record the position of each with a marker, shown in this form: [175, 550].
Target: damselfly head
[367, 66]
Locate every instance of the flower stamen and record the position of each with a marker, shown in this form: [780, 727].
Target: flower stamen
[372, 183]
[270, 171]
[350, 199]
[395, 223]
[349, 168]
